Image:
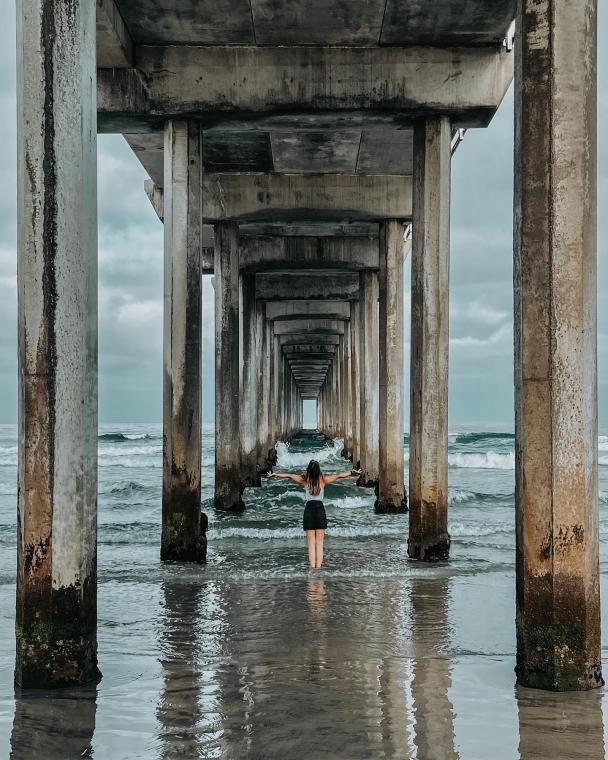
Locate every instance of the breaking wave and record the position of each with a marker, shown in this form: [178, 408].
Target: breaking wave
[122, 437]
[478, 437]
[293, 459]
[488, 460]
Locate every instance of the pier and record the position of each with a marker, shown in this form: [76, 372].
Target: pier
[302, 156]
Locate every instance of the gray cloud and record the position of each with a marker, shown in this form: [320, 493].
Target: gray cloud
[130, 270]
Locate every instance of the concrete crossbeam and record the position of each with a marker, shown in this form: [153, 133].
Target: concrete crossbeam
[299, 309]
[314, 326]
[285, 253]
[466, 83]
[289, 196]
[311, 337]
[278, 287]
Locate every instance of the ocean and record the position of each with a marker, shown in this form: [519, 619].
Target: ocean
[255, 656]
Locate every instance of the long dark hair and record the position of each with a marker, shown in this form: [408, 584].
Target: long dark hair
[313, 478]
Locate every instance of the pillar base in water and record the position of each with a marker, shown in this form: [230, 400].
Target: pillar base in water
[430, 549]
[389, 507]
[188, 548]
[61, 653]
[553, 656]
[364, 482]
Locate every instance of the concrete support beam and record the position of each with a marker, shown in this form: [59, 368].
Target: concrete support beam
[272, 253]
[369, 391]
[315, 338]
[286, 310]
[241, 196]
[391, 490]
[312, 348]
[558, 603]
[249, 384]
[56, 610]
[388, 83]
[227, 400]
[312, 326]
[428, 532]
[308, 287]
[114, 43]
[182, 341]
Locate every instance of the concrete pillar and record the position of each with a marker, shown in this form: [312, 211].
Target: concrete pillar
[556, 499]
[347, 404]
[355, 381]
[227, 401]
[182, 339]
[276, 396]
[56, 612]
[249, 384]
[428, 531]
[270, 353]
[263, 386]
[368, 356]
[391, 489]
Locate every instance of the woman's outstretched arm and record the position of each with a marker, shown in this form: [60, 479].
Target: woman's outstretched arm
[327, 479]
[288, 476]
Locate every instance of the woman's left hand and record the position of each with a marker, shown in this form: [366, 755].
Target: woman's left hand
[355, 472]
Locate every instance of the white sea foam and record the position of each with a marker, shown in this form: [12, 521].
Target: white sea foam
[461, 530]
[602, 442]
[488, 460]
[291, 459]
[352, 502]
[460, 496]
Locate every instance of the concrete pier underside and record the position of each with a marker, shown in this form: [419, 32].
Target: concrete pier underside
[289, 146]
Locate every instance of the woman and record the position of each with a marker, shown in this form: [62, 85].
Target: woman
[315, 519]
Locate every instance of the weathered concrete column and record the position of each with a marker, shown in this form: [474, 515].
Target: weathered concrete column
[56, 615]
[227, 401]
[263, 386]
[182, 339]
[249, 385]
[428, 532]
[271, 343]
[368, 357]
[557, 572]
[391, 489]
[355, 381]
[347, 404]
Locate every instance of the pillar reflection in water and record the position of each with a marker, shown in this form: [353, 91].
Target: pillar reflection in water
[560, 725]
[53, 727]
[433, 711]
[179, 708]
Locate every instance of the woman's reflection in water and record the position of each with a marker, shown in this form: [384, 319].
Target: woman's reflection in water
[53, 725]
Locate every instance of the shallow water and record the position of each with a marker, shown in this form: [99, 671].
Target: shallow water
[253, 656]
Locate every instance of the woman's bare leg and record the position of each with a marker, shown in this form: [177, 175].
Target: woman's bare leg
[319, 535]
[312, 547]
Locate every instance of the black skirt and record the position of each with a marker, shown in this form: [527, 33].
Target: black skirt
[314, 516]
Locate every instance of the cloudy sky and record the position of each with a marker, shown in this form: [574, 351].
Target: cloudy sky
[130, 270]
